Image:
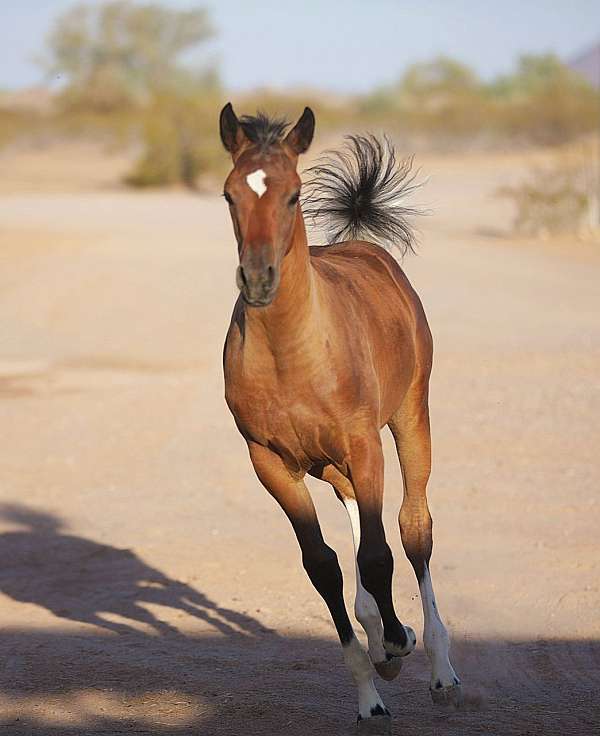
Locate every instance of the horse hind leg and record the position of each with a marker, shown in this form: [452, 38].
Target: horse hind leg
[387, 664]
[365, 606]
[410, 428]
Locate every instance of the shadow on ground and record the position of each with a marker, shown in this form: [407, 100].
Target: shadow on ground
[140, 675]
[86, 581]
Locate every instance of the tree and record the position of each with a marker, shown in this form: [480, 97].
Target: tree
[118, 55]
[180, 141]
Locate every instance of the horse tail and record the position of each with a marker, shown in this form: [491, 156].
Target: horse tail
[357, 193]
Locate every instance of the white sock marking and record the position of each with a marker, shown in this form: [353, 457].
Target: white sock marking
[365, 606]
[359, 664]
[435, 636]
[256, 182]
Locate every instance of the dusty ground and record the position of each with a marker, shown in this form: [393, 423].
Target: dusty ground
[148, 584]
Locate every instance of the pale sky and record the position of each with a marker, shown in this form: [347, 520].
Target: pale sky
[340, 45]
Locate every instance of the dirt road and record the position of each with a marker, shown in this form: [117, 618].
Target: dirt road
[148, 584]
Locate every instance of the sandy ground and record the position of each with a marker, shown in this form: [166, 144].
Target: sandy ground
[148, 584]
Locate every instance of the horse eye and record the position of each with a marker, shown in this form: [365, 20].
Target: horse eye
[294, 199]
[228, 198]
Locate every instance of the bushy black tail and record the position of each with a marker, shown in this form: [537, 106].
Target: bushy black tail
[357, 193]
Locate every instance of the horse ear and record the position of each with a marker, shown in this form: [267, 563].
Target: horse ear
[231, 131]
[300, 136]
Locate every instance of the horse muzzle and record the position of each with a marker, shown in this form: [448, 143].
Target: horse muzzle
[257, 284]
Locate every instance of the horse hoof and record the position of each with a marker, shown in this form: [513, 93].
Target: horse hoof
[411, 642]
[449, 696]
[411, 639]
[389, 669]
[375, 726]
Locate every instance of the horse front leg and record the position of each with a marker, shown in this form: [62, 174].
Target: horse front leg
[321, 565]
[374, 556]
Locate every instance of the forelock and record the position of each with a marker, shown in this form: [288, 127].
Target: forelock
[262, 130]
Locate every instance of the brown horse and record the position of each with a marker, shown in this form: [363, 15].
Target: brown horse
[326, 346]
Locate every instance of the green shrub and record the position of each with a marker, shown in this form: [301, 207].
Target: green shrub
[180, 141]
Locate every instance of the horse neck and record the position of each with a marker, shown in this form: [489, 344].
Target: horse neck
[289, 321]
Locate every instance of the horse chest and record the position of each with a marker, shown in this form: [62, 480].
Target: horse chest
[296, 418]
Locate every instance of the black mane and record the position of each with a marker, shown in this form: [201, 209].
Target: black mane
[263, 130]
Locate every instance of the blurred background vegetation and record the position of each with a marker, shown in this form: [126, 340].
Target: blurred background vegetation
[121, 80]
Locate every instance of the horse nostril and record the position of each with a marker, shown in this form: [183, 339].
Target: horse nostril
[270, 275]
[243, 276]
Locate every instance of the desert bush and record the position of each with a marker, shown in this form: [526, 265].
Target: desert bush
[560, 195]
[180, 140]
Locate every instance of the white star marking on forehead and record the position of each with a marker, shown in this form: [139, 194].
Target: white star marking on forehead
[256, 182]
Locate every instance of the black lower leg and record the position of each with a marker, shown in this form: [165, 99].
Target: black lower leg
[376, 566]
[321, 565]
